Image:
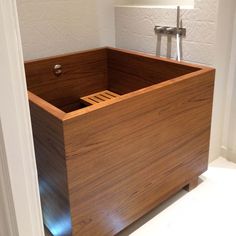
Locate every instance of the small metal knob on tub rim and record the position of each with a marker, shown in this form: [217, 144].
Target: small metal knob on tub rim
[57, 70]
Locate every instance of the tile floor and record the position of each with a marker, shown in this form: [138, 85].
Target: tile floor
[210, 209]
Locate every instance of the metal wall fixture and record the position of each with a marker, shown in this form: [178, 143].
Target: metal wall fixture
[57, 70]
[168, 30]
[178, 31]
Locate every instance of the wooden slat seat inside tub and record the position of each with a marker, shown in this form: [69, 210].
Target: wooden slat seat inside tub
[99, 97]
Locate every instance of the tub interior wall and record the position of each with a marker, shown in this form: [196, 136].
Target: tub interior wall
[93, 71]
[128, 72]
[82, 74]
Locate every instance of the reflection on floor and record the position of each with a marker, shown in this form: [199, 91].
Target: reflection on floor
[210, 209]
[47, 233]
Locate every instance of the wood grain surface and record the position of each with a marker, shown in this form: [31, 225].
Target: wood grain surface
[51, 165]
[126, 158]
[192, 184]
[108, 164]
[83, 74]
[128, 72]
[99, 97]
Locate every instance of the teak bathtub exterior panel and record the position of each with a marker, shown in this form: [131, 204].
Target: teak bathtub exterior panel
[51, 165]
[119, 159]
[124, 159]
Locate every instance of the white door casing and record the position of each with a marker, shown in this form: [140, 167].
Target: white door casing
[8, 224]
[21, 201]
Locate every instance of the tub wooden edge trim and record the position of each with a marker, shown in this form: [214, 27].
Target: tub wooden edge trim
[56, 112]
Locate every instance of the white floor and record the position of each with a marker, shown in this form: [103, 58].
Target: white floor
[208, 210]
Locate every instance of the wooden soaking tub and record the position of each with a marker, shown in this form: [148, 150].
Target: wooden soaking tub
[116, 134]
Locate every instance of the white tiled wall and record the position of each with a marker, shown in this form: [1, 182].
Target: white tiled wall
[135, 30]
[51, 27]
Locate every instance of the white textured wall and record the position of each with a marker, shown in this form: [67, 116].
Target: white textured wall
[51, 27]
[155, 2]
[135, 30]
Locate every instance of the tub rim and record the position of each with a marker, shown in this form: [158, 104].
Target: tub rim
[63, 116]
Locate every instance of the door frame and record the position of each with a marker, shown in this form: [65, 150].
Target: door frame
[19, 189]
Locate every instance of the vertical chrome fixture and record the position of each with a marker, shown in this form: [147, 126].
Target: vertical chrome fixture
[178, 31]
[178, 57]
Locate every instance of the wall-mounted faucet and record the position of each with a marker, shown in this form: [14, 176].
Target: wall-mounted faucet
[177, 31]
[170, 30]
